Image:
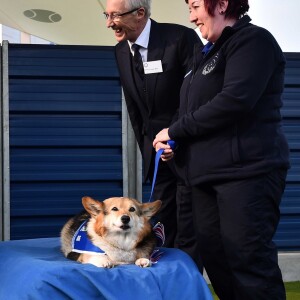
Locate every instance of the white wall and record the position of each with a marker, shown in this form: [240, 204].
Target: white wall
[281, 18]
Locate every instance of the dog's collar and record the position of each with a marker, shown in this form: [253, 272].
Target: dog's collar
[82, 244]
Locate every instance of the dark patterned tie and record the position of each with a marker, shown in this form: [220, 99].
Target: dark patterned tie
[137, 58]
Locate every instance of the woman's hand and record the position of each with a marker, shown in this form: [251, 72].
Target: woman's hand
[168, 152]
[160, 142]
[162, 136]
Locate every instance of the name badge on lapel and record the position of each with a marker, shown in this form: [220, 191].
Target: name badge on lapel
[154, 66]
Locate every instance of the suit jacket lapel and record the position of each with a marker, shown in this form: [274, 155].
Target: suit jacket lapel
[156, 49]
[127, 77]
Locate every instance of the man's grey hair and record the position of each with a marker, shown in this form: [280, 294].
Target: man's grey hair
[131, 4]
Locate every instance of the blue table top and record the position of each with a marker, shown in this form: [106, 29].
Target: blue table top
[36, 269]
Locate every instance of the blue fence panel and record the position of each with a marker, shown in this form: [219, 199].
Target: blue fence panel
[65, 133]
[288, 233]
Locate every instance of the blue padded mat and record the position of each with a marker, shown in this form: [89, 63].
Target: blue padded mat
[36, 269]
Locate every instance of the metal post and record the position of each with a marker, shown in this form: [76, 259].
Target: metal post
[132, 161]
[5, 144]
[139, 174]
[1, 151]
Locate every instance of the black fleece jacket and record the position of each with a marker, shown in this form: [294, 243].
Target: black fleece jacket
[229, 124]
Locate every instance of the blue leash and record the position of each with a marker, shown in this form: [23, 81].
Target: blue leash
[172, 144]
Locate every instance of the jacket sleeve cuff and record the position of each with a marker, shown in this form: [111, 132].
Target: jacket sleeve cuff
[172, 132]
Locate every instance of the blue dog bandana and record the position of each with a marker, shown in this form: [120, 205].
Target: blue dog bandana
[82, 244]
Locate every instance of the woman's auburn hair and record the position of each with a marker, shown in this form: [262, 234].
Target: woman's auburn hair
[235, 9]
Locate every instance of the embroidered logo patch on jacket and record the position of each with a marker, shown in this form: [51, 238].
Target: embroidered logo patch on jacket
[211, 65]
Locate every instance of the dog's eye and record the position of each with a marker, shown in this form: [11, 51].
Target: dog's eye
[131, 209]
[114, 209]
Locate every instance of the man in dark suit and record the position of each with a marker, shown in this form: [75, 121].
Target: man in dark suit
[151, 88]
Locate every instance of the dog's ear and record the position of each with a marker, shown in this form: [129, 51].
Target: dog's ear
[151, 208]
[93, 207]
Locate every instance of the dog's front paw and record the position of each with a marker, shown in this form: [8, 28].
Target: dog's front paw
[105, 263]
[143, 262]
[101, 261]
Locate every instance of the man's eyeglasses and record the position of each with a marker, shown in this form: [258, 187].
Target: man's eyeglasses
[116, 16]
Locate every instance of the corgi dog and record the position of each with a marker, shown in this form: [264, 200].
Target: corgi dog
[116, 231]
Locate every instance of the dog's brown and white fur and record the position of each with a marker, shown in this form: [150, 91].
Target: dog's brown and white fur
[119, 226]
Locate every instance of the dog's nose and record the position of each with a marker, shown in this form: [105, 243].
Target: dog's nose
[125, 219]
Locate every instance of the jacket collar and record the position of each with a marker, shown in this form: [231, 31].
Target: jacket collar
[228, 32]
